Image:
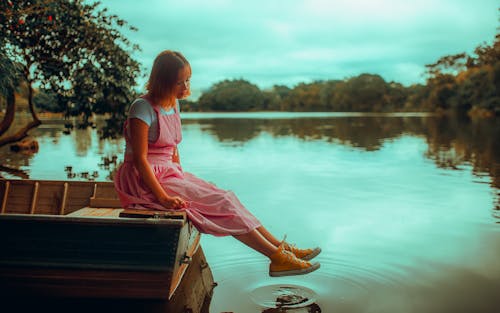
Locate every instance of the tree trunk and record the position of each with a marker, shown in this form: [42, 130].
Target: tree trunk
[31, 105]
[23, 132]
[9, 112]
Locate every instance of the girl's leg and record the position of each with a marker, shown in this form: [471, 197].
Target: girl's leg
[305, 254]
[264, 232]
[283, 263]
[258, 242]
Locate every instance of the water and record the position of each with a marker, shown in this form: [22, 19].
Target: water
[405, 207]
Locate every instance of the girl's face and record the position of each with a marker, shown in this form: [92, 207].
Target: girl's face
[182, 87]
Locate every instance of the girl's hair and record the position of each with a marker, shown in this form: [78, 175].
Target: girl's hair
[163, 77]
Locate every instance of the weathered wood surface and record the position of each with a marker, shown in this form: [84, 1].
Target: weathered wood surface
[193, 295]
[53, 242]
[54, 197]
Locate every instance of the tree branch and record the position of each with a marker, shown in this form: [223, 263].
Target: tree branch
[14, 171]
[22, 133]
[31, 105]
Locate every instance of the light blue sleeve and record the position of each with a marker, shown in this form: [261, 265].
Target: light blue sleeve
[142, 110]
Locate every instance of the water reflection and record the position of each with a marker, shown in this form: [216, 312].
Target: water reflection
[364, 132]
[452, 141]
[286, 298]
[406, 208]
[81, 150]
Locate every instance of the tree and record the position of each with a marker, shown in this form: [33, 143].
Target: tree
[274, 99]
[465, 83]
[10, 74]
[365, 93]
[305, 97]
[232, 95]
[327, 94]
[450, 64]
[9, 77]
[73, 49]
[487, 55]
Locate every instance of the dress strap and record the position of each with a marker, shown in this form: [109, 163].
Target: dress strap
[176, 106]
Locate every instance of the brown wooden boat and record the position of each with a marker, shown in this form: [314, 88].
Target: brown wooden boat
[72, 239]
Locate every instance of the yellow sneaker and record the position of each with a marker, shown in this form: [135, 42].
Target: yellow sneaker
[304, 254]
[284, 263]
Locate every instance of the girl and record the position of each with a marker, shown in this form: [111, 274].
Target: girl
[151, 176]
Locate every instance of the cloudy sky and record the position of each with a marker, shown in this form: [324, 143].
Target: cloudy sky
[289, 41]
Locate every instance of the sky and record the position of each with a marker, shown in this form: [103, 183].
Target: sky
[285, 42]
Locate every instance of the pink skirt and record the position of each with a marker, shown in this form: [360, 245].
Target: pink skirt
[211, 210]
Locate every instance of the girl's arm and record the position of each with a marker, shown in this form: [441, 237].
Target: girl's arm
[139, 141]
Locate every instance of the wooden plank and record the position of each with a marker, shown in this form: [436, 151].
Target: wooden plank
[105, 190]
[63, 282]
[50, 195]
[134, 213]
[55, 197]
[20, 196]
[95, 190]
[79, 196]
[176, 279]
[89, 242]
[104, 196]
[46, 251]
[5, 196]
[96, 212]
[104, 203]
[193, 295]
[196, 287]
[34, 198]
[64, 199]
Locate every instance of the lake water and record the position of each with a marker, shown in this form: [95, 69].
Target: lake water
[405, 206]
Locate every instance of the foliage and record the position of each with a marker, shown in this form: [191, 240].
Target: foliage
[232, 95]
[462, 83]
[73, 49]
[9, 74]
[47, 101]
[458, 83]
[361, 93]
[304, 97]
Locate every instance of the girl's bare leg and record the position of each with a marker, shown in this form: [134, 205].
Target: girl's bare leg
[264, 232]
[258, 242]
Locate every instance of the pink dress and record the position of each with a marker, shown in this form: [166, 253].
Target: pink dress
[210, 209]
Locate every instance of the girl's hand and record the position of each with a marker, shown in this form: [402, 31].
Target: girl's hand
[173, 203]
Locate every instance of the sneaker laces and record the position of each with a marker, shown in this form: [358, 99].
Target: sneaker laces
[284, 239]
[291, 258]
[292, 247]
[289, 246]
[285, 244]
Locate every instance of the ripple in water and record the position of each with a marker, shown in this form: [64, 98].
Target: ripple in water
[290, 297]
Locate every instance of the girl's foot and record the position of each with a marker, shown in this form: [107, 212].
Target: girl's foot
[304, 254]
[285, 263]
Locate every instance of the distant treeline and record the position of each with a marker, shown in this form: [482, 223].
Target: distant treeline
[456, 83]
[366, 92]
